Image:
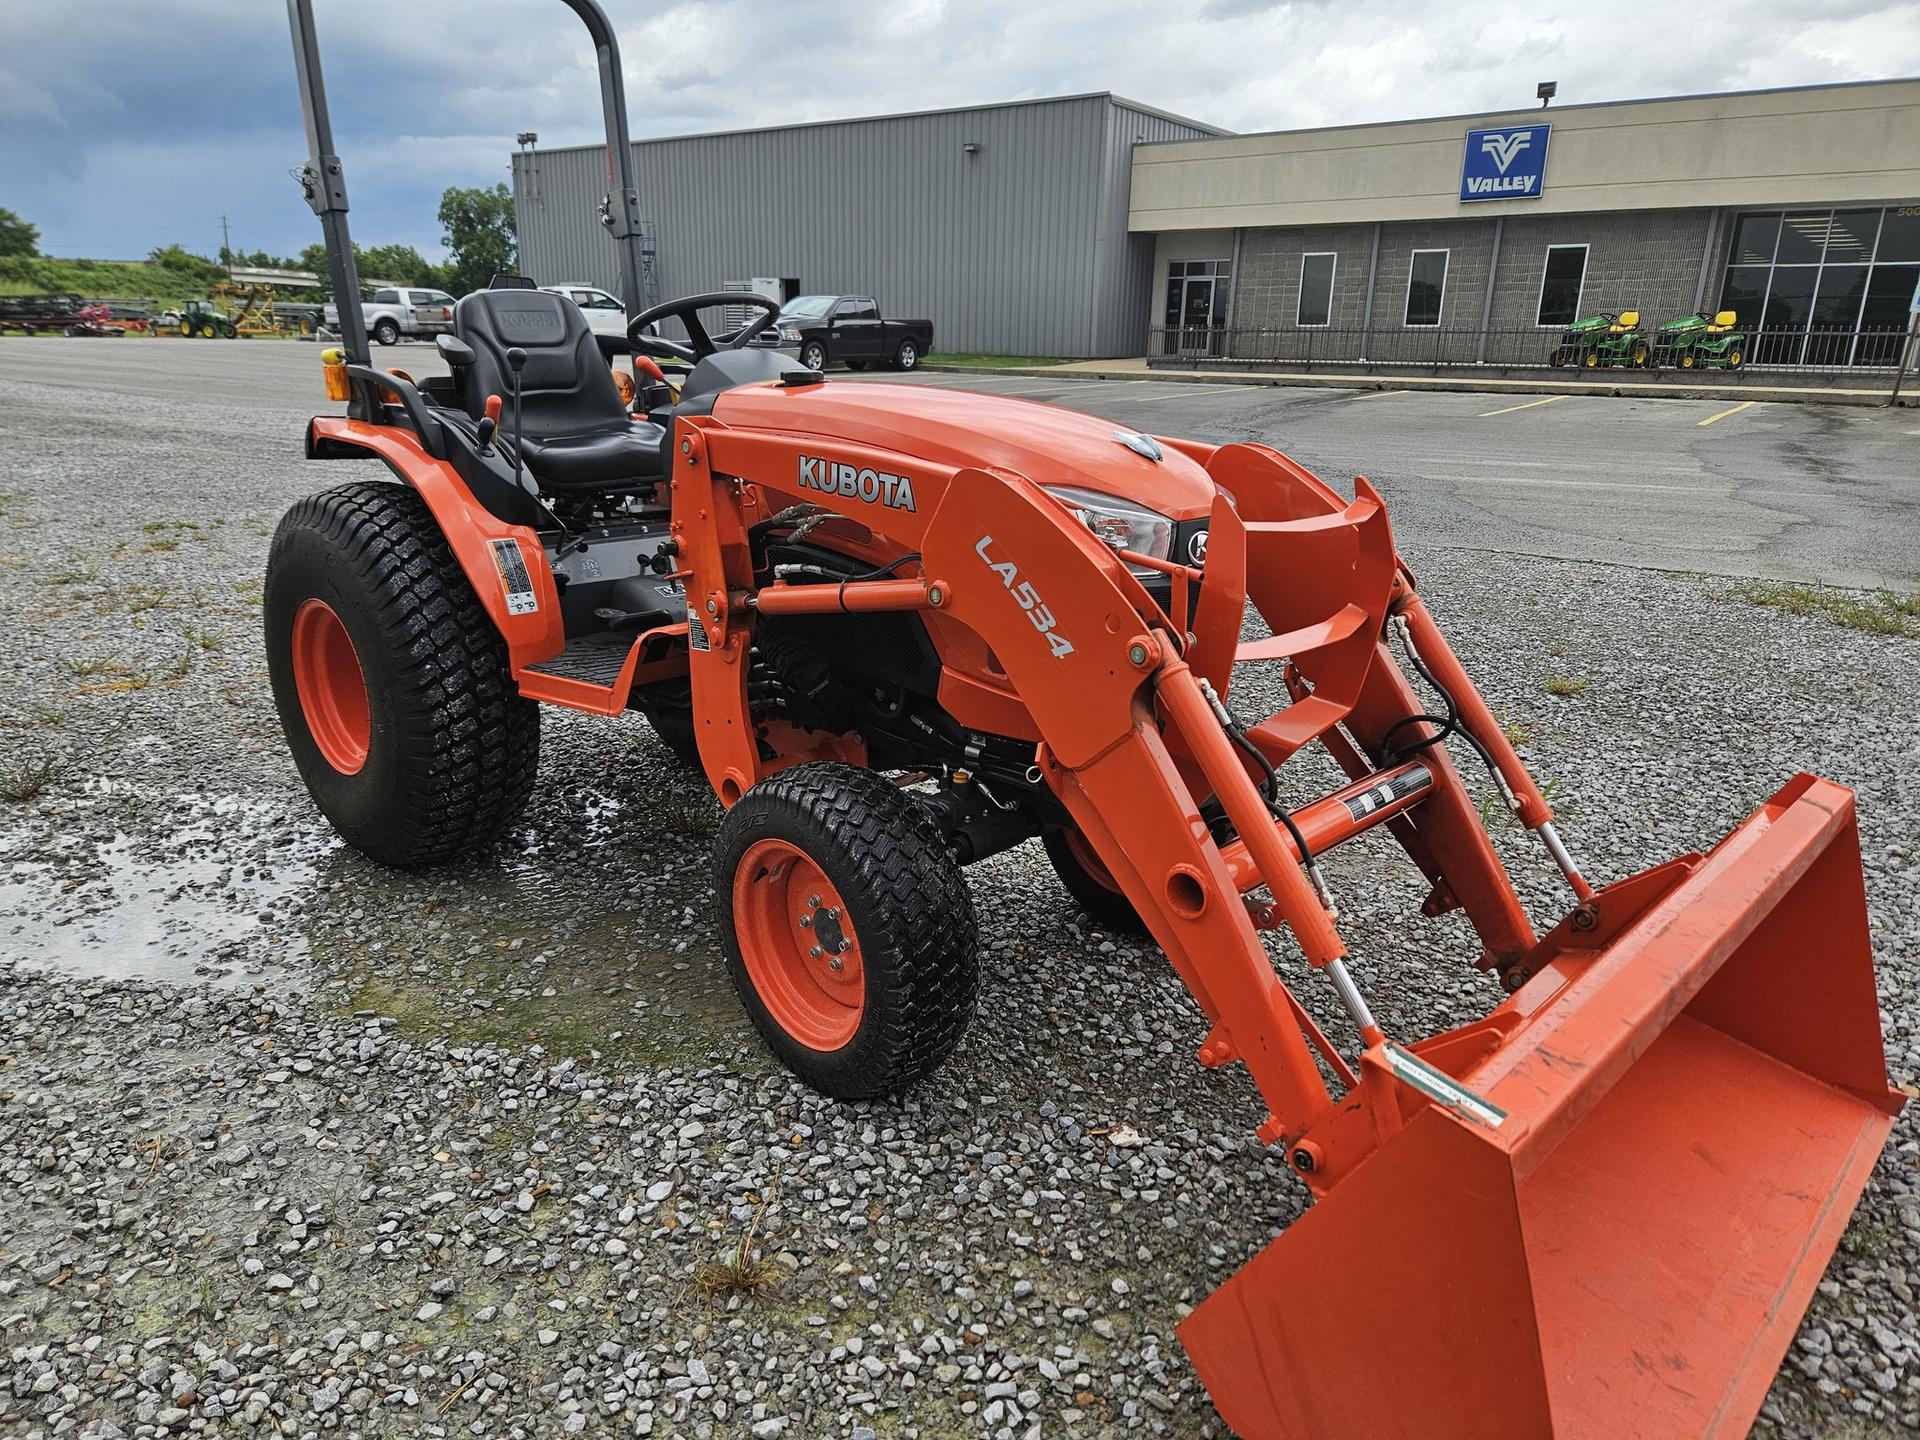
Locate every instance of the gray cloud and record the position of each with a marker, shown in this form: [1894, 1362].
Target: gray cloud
[130, 125]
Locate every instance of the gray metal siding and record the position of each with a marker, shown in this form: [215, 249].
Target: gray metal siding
[1019, 249]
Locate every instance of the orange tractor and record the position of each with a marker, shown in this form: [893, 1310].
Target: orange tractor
[901, 629]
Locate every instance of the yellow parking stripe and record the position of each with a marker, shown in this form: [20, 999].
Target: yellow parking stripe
[1375, 394]
[1743, 405]
[1487, 414]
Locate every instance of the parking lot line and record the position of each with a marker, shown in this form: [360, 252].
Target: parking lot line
[1488, 414]
[1376, 394]
[1735, 410]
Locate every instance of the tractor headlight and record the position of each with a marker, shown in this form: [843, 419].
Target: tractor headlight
[1121, 523]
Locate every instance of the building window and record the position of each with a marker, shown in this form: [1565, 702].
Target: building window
[1426, 287]
[1316, 289]
[1561, 282]
[1823, 287]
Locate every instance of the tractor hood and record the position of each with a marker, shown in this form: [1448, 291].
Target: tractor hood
[1048, 445]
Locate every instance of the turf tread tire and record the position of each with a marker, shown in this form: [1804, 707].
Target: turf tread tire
[910, 908]
[454, 747]
[1107, 907]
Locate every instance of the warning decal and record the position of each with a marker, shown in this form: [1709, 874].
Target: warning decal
[1408, 782]
[1437, 1085]
[514, 578]
[696, 633]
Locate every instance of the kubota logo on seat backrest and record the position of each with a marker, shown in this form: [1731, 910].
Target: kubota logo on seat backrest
[856, 482]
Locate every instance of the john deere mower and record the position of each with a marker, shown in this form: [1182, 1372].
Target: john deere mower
[1699, 341]
[1604, 339]
[900, 629]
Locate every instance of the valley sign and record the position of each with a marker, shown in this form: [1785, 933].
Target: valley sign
[1505, 164]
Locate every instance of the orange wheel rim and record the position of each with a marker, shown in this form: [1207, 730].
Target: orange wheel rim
[1095, 867]
[798, 945]
[333, 691]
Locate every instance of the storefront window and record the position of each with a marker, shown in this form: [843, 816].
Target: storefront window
[1561, 282]
[1426, 287]
[1823, 287]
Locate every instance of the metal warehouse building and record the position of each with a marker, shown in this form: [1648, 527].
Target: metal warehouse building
[1478, 238]
[1093, 226]
[1005, 224]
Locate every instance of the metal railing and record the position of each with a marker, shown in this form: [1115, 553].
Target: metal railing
[1439, 349]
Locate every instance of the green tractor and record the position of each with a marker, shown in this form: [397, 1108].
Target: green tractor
[1702, 340]
[1603, 339]
[198, 317]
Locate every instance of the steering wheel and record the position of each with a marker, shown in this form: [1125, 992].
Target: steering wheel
[687, 313]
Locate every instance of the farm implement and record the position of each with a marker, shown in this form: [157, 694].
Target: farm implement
[900, 629]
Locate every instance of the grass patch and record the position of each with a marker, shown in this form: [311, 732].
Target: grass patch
[1566, 686]
[22, 782]
[995, 362]
[1882, 612]
[140, 598]
[1868, 1240]
[79, 575]
[96, 666]
[744, 1270]
[164, 546]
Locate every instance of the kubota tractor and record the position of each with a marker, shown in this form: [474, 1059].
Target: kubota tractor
[1700, 340]
[1603, 339]
[903, 628]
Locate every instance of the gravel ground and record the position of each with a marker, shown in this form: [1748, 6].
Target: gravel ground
[293, 1143]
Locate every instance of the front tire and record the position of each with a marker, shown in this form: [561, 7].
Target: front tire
[813, 355]
[1089, 883]
[907, 356]
[386, 332]
[391, 680]
[827, 865]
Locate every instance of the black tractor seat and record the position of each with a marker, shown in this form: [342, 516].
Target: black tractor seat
[575, 434]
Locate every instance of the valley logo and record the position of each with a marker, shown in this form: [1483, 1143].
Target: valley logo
[832, 478]
[1507, 164]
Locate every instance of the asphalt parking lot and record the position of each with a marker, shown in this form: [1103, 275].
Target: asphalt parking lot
[290, 1142]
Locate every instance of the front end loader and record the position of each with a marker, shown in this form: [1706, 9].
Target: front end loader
[900, 629]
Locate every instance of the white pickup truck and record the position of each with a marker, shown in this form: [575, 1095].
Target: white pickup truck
[605, 315]
[394, 311]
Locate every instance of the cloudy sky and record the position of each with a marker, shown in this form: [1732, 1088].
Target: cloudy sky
[129, 124]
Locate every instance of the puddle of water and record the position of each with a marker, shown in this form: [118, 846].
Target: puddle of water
[205, 902]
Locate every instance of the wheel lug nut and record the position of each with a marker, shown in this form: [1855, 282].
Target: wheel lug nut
[814, 953]
[834, 964]
[814, 900]
[806, 922]
[833, 914]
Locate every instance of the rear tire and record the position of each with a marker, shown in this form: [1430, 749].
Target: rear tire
[668, 706]
[907, 356]
[851, 840]
[1090, 885]
[447, 749]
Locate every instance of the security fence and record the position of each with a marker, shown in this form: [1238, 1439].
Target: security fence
[1711, 357]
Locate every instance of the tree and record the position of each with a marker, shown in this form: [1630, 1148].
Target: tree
[18, 239]
[184, 262]
[479, 235]
[401, 263]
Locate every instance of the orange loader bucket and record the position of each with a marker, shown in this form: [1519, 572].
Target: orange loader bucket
[1600, 1211]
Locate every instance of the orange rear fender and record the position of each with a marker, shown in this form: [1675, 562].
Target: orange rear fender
[484, 545]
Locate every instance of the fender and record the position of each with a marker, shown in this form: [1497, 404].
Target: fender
[472, 531]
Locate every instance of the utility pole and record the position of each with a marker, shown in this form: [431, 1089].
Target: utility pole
[226, 246]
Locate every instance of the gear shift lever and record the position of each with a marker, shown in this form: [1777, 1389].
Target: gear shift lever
[516, 362]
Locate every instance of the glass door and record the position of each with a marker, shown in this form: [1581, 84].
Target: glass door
[1196, 313]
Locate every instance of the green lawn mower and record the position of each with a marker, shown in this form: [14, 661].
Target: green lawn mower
[1696, 341]
[1603, 339]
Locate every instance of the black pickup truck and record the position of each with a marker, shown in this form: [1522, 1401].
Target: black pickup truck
[821, 330]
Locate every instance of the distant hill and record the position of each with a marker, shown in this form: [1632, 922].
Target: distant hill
[168, 282]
